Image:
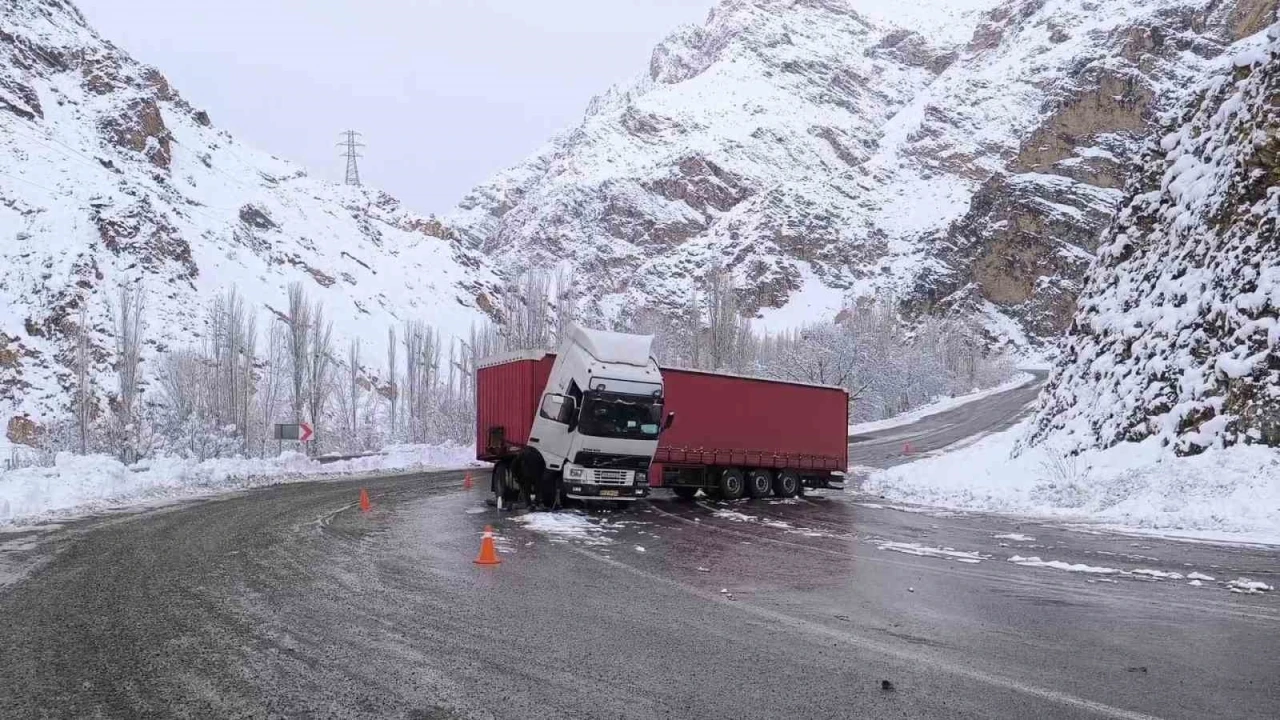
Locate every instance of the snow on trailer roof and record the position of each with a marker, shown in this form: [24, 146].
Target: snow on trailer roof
[513, 356]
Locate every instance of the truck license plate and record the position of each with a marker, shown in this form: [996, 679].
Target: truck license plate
[608, 493]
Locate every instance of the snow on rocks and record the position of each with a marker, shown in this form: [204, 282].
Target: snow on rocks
[79, 484]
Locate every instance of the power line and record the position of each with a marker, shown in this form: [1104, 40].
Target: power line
[352, 146]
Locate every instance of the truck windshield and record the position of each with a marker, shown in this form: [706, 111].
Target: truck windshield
[617, 415]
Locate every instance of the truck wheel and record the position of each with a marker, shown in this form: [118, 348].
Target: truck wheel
[502, 485]
[685, 493]
[787, 484]
[732, 484]
[759, 483]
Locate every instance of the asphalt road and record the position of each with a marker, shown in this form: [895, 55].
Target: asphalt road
[290, 602]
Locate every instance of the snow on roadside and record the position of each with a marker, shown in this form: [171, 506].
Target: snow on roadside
[83, 484]
[1230, 494]
[938, 406]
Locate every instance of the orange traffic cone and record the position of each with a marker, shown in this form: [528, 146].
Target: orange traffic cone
[466, 482]
[488, 554]
[364, 500]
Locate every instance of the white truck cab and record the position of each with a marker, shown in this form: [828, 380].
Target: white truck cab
[597, 426]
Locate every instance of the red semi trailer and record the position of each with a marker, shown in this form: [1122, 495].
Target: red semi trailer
[732, 436]
[736, 436]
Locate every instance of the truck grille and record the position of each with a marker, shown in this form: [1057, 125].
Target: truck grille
[611, 477]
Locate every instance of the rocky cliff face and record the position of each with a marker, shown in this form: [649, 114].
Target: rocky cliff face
[1177, 333]
[108, 177]
[966, 154]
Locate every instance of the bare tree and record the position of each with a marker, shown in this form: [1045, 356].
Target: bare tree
[84, 393]
[393, 374]
[320, 365]
[273, 377]
[300, 322]
[129, 321]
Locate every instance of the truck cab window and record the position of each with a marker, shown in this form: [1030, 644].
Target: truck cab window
[618, 415]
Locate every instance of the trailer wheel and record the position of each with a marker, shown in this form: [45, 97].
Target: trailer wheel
[685, 493]
[786, 484]
[732, 484]
[759, 483]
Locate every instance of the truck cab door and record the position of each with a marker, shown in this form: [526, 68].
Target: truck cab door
[552, 433]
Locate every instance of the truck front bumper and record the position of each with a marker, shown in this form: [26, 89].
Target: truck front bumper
[604, 492]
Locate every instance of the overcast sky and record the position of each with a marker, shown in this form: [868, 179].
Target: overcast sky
[446, 92]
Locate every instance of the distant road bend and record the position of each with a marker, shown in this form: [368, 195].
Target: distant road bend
[289, 602]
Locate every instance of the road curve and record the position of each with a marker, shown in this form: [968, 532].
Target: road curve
[290, 602]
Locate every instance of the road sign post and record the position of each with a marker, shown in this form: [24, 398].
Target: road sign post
[298, 432]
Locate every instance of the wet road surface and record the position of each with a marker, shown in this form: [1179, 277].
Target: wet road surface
[290, 602]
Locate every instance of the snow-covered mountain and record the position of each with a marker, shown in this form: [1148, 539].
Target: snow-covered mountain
[1177, 335]
[965, 154]
[108, 176]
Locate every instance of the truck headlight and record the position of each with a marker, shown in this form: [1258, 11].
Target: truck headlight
[575, 472]
[642, 478]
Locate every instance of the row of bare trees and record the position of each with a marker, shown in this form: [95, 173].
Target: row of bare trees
[222, 395]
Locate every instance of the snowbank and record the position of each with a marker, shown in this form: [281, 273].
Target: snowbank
[79, 484]
[938, 406]
[1222, 494]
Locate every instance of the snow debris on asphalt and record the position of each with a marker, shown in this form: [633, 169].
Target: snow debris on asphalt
[566, 526]
[923, 551]
[640, 548]
[1196, 583]
[939, 405]
[82, 484]
[1158, 574]
[1034, 561]
[1016, 537]
[1247, 586]
[734, 516]
[1199, 576]
[1223, 493]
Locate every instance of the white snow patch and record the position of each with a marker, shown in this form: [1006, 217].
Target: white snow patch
[1016, 537]
[565, 526]
[1199, 576]
[1161, 574]
[939, 406]
[79, 484]
[1245, 585]
[923, 551]
[1034, 561]
[1222, 494]
[734, 516]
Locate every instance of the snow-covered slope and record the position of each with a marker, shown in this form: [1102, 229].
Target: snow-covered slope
[1177, 336]
[964, 153]
[108, 176]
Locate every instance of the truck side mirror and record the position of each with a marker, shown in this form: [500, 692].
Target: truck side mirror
[558, 408]
[671, 420]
